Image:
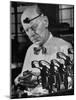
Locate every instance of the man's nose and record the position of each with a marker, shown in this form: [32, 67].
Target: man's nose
[31, 33]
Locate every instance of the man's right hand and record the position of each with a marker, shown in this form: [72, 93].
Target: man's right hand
[16, 81]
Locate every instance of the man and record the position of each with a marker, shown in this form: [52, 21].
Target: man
[44, 46]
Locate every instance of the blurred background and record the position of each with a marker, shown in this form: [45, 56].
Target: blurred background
[61, 24]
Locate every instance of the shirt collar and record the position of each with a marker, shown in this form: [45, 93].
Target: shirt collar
[48, 39]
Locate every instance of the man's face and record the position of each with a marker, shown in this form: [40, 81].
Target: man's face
[35, 29]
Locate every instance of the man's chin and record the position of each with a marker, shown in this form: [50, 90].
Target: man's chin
[37, 42]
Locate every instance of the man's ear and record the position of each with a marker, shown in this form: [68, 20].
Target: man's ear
[46, 21]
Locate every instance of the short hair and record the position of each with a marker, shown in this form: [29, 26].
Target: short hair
[40, 8]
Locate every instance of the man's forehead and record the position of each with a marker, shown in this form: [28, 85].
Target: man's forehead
[30, 12]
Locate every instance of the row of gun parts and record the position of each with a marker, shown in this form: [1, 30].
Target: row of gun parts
[50, 69]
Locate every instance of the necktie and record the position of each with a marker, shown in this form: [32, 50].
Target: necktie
[38, 49]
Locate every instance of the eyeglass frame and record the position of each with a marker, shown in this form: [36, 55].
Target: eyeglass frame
[27, 20]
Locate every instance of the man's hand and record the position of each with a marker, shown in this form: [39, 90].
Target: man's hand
[28, 79]
[16, 81]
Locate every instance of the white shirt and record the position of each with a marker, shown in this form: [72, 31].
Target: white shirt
[53, 45]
